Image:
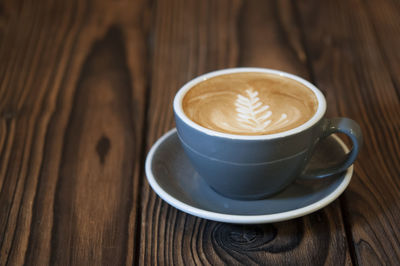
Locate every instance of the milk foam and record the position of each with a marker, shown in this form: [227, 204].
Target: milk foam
[250, 103]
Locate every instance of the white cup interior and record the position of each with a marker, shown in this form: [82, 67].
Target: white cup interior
[312, 121]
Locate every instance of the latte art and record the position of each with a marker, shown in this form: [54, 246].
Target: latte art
[253, 115]
[250, 103]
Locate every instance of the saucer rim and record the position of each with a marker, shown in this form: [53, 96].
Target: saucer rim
[242, 219]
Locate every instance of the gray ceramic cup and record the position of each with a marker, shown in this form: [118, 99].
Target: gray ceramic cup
[254, 167]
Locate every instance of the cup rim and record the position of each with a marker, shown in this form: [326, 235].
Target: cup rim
[177, 104]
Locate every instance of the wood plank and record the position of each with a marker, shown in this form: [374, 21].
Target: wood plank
[193, 37]
[72, 107]
[385, 19]
[357, 67]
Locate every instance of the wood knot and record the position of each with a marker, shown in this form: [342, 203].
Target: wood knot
[244, 238]
[8, 115]
[102, 148]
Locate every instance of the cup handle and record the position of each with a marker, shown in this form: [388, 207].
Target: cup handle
[351, 129]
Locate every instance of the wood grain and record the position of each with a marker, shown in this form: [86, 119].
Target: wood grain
[86, 88]
[385, 20]
[252, 33]
[348, 61]
[72, 107]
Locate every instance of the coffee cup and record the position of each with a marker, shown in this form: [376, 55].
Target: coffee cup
[250, 132]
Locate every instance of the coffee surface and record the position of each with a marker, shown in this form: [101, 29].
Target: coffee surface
[250, 103]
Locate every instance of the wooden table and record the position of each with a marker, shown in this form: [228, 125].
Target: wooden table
[86, 88]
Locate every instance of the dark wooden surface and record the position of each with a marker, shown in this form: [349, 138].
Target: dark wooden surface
[86, 88]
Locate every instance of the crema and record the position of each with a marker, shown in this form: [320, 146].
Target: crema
[250, 103]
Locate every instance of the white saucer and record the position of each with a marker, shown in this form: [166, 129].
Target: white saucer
[172, 177]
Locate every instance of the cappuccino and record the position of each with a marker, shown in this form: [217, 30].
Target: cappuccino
[250, 103]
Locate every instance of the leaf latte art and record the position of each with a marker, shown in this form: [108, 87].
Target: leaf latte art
[253, 114]
[249, 103]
